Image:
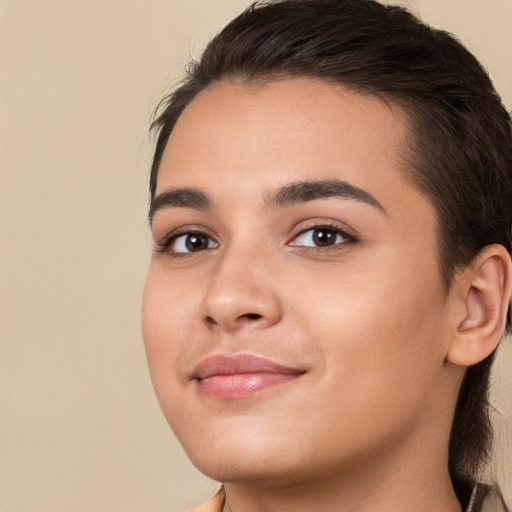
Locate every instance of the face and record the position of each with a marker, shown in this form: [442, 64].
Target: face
[294, 315]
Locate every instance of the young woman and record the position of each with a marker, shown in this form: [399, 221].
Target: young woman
[331, 208]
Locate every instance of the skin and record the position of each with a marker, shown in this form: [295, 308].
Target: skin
[367, 320]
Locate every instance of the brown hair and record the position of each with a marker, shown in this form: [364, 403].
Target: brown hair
[459, 155]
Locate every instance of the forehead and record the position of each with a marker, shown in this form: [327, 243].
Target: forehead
[239, 141]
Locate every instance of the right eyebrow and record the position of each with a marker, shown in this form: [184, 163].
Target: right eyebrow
[179, 198]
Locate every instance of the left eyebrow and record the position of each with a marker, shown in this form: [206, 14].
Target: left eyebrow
[303, 191]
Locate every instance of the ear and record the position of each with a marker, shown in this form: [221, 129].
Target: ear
[484, 289]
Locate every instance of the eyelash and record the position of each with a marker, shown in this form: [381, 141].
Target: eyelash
[166, 242]
[325, 226]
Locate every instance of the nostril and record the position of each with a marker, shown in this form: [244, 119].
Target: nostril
[247, 317]
[210, 321]
[251, 316]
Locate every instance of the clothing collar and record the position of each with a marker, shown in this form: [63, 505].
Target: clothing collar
[482, 500]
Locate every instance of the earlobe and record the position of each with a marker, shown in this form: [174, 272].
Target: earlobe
[486, 286]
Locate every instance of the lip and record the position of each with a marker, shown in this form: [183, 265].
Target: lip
[236, 376]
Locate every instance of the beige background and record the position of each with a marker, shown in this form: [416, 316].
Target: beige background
[80, 429]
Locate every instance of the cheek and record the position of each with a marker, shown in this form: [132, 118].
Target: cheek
[165, 329]
[167, 306]
[380, 361]
[377, 327]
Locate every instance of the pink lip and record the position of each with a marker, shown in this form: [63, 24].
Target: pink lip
[240, 375]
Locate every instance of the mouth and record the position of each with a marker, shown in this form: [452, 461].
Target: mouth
[240, 375]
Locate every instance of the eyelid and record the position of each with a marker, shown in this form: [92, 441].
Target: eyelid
[329, 224]
[164, 244]
[179, 240]
[349, 234]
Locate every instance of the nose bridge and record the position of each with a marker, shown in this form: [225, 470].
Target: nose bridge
[241, 290]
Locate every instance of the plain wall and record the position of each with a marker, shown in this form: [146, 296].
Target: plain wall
[80, 429]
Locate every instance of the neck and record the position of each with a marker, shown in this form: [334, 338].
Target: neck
[379, 498]
[401, 480]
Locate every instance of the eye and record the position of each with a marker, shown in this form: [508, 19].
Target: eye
[191, 242]
[321, 236]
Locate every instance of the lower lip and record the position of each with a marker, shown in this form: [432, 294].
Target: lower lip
[240, 385]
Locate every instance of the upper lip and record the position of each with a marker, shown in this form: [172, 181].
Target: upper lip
[231, 364]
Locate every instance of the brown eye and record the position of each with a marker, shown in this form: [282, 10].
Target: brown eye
[321, 237]
[196, 242]
[192, 242]
[324, 237]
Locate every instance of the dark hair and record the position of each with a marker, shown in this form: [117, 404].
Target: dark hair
[460, 149]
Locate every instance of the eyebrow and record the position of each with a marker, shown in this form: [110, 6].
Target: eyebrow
[303, 191]
[287, 195]
[179, 198]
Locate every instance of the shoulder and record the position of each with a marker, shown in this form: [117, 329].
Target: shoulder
[486, 499]
[213, 505]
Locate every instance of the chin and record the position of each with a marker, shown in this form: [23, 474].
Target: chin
[262, 471]
[247, 456]
[239, 470]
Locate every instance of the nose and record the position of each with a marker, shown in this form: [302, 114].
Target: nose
[241, 293]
